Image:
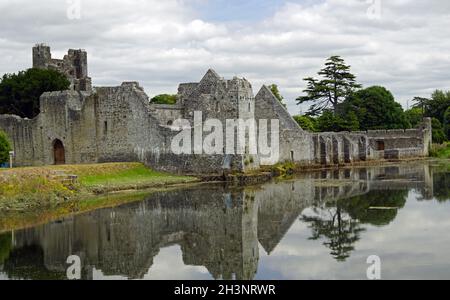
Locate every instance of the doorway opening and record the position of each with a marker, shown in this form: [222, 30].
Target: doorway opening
[59, 153]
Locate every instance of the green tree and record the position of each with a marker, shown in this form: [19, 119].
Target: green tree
[376, 108]
[438, 105]
[439, 136]
[306, 123]
[5, 147]
[329, 122]
[350, 122]
[20, 93]
[447, 123]
[164, 99]
[421, 103]
[438, 108]
[414, 116]
[335, 85]
[277, 94]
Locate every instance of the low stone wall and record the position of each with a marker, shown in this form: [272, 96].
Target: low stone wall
[193, 164]
[22, 134]
[403, 153]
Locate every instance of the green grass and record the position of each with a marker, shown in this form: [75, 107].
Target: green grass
[25, 189]
[441, 151]
[41, 215]
[133, 177]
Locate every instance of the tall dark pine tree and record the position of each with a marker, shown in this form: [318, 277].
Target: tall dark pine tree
[336, 84]
[420, 102]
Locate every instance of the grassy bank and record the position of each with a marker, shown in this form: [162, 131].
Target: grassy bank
[25, 188]
[16, 219]
[441, 151]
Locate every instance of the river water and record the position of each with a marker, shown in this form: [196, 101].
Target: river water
[322, 225]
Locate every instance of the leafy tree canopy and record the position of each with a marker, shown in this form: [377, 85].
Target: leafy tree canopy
[376, 108]
[306, 123]
[438, 108]
[447, 123]
[336, 83]
[414, 116]
[439, 136]
[20, 93]
[329, 122]
[164, 99]
[277, 94]
[5, 147]
[438, 105]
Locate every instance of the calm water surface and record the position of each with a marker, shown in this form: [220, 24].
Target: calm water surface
[318, 226]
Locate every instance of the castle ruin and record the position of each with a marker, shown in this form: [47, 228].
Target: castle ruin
[88, 124]
[73, 65]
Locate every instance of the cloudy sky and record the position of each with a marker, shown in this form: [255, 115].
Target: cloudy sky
[400, 44]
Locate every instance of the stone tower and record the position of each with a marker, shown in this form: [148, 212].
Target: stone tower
[73, 65]
[41, 56]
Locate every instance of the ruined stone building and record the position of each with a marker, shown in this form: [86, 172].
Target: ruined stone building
[73, 65]
[119, 124]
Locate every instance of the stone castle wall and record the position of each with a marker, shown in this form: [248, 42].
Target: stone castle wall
[110, 125]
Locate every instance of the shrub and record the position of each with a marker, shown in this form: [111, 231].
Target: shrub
[5, 147]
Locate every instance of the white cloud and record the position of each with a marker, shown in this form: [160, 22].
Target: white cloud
[163, 43]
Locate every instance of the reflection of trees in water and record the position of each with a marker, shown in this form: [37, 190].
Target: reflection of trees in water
[441, 186]
[339, 230]
[5, 247]
[360, 207]
[340, 222]
[28, 263]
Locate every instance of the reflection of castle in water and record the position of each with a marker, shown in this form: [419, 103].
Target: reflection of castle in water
[215, 227]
